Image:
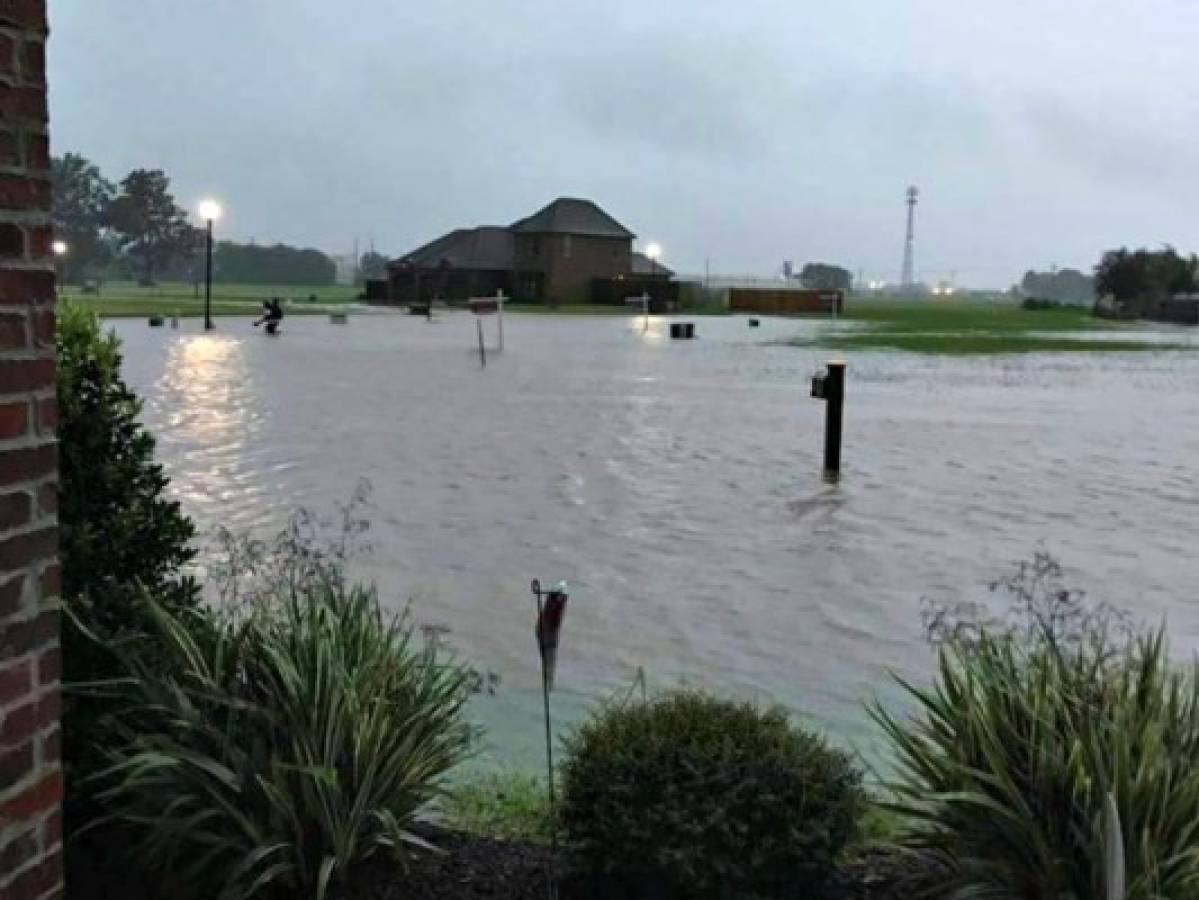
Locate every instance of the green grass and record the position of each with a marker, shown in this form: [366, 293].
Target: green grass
[962, 328]
[122, 298]
[501, 805]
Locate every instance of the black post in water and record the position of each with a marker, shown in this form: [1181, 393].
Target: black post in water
[482, 351]
[551, 881]
[830, 388]
[835, 400]
[208, 278]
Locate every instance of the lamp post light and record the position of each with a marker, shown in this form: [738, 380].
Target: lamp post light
[210, 211]
[59, 248]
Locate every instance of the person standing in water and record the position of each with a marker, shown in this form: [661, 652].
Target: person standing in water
[272, 315]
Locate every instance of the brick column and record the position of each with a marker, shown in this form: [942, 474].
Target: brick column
[30, 768]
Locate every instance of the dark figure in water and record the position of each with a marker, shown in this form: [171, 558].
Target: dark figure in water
[272, 315]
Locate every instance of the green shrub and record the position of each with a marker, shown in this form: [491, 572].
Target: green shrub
[1006, 770]
[695, 796]
[121, 539]
[290, 742]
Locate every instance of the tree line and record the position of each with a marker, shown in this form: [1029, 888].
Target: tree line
[135, 229]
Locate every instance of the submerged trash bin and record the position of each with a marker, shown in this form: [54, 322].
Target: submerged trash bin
[156, 321]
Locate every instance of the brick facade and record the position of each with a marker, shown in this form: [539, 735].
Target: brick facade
[30, 662]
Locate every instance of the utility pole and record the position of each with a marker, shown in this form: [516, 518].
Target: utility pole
[908, 277]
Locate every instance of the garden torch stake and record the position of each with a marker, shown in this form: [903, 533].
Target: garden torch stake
[551, 609]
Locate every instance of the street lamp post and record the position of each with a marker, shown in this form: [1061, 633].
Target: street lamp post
[210, 211]
[653, 251]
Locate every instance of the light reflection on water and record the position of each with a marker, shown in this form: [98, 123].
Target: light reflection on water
[676, 485]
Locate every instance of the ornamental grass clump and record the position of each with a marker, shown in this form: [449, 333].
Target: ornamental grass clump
[1040, 769]
[292, 741]
[689, 795]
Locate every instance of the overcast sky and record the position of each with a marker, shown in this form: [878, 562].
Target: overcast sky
[1039, 131]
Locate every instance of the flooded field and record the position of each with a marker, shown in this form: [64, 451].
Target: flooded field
[676, 486]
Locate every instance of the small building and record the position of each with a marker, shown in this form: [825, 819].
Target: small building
[562, 253]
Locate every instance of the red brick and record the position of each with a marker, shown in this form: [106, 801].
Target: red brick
[48, 627]
[14, 508]
[43, 328]
[36, 880]
[34, 799]
[49, 709]
[26, 463]
[12, 331]
[12, 241]
[14, 422]
[19, 192]
[49, 666]
[52, 745]
[47, 499]
[24, 13]
[52, 829]
[47, 416]
[11, 593]
[40, 239]
[17, 726]
[18, 851]
[33, 62]
[51, 581]
[37, 152]
[15, 765]
[17, 637]
[8, 53]
[22, 104]
[15, 682]
[26, 287]
[10, 148]
[20, 375]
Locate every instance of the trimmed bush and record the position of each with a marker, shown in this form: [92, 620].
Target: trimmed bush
[1024, 749]
[121, 537]
[691, 795]
[283, 746]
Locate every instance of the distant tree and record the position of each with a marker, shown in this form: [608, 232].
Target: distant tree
[825, 277]
[81, 199]
[1066, 285]
[153, 230]
[372, 266]
[278, 264]
[1141, 279]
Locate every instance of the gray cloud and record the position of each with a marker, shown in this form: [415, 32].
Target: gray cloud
[745, 133]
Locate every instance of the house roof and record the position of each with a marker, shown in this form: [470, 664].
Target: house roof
[570, 215]
[643, 265]
[487, 247]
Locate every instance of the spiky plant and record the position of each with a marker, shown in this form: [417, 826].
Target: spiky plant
[295, 741]
[1007, 767]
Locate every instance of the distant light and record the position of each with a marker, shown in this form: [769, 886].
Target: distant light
[653, 251]
[210, 210]
[60, 248]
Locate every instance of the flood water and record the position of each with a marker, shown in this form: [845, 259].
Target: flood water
[676, 486]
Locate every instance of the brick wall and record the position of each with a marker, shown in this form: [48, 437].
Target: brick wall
[30, 770]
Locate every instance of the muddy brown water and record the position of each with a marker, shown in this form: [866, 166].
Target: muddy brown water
[676, 486]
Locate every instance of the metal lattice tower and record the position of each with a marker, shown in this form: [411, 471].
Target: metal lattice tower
[908, 278]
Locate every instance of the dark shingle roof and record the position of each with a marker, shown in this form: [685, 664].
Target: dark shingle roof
[643, 265]
[568, 215]
[487, 247]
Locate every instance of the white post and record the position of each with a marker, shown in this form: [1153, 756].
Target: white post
[645, 308]
[499, 302]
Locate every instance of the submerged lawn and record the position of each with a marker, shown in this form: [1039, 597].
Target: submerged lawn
[973, 328]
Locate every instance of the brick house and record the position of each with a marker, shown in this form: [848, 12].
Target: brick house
[559, 254]
[30, 733]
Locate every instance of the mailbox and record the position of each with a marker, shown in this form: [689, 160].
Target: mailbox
[818, 387]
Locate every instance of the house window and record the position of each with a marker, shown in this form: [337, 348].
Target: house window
[566, 246]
